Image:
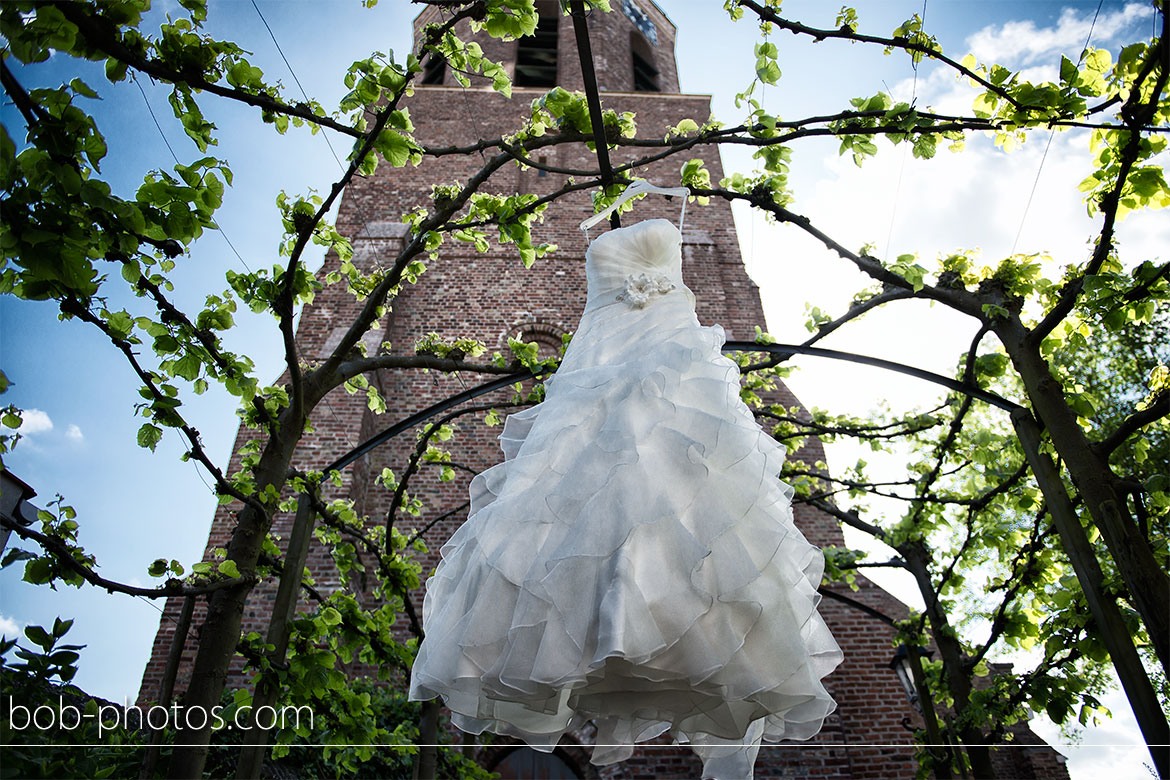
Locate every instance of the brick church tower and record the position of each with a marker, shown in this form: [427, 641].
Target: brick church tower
[492, 297]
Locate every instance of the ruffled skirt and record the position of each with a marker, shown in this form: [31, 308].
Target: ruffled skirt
[633, 561]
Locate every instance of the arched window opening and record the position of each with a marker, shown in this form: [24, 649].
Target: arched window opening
[548, 344]
[536, 55]
[434, 70]
[549, 337]
[524, 762]
[645, 74]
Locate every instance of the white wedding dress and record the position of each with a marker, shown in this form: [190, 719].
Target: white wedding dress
[633, 561]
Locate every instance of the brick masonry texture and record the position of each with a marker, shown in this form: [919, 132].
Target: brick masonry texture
[492, 297]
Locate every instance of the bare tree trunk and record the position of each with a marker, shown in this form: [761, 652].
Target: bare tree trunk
[220, 632]
[167, 690]
[941, 764]
[268, 690]
[946, 639]
[1147, 584]
[1110, 626]
[426, 763]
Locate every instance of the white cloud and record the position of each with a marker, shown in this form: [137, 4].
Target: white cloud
[9, 627]
[1020, 42]
[35, 421]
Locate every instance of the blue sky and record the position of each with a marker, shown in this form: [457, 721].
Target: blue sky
[135, 506]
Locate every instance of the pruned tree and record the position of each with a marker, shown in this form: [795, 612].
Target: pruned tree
[1017, 494]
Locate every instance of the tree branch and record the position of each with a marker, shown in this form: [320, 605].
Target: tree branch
[856, 309]
[892, 563]
[1024, 691]
[1159, 408]
[1139, 291]
[1019, 581]
[386, 652]
[419, 534]
[960, 300]
[103, 36]
[871, 488]
[32, 113]
[1134, 114]
[62, 553]
[848, 34]
[943, 450]
[74, 307]
[867, 609]
[380, 556]
[420, 450]
[362, 365]
[850, 518]
[864, 432]
[284, 304]
[171, 313]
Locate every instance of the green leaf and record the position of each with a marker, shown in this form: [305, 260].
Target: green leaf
[187, 367]
[40, 637]
[1082, 404]
[115, 70]
[81, 88]
[38, 571]
[149, 435]
[131, 272]
[120, 323]
[1098, 60]
[14, 554]
[994, 364]
[684, 127]
[767, 70]
[228, 568]
[767, 49]
[394, 147]
[65, 660]
[994, 312]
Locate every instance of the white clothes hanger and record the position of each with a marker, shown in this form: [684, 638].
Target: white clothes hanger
[639, 187]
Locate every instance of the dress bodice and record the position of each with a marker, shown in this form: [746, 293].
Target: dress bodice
[642, 259]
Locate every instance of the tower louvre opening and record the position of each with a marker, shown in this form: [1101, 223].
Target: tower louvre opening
[536, 55]
[434, 70]
[645, 74]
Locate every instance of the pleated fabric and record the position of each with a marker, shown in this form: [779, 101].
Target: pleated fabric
[633, 560]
